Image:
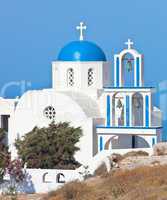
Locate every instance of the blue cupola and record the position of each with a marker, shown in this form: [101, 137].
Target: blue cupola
[81, 51]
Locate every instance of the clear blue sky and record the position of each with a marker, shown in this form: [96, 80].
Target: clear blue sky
[32, 32]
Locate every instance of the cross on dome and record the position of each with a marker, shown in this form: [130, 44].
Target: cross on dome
[129, 43]
[81, 27]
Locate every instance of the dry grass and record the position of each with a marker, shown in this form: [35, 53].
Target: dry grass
[74, 190]
[144, 183]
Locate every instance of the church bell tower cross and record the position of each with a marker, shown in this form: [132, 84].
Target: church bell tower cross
[81, 28]
[129, 43]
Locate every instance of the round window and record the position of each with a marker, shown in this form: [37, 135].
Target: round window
[49, 112]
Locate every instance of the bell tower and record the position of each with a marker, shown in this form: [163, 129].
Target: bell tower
[131, 61]
[131, 120]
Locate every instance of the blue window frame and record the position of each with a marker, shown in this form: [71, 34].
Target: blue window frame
[101, 143]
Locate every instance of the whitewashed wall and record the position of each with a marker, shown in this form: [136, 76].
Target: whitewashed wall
[43, 180]
[47, 180]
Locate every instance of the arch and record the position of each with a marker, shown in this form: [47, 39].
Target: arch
[70, 77]
[137, 109]
[90, 76]
[128, 142]
[60, 178]
[141, 142]
[108, 144]
[137, 69]
[130, 51]
[44, 179]
[118, 101]
[128, 70]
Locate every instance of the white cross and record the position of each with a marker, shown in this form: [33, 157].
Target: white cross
[81, 28]
[129, 43]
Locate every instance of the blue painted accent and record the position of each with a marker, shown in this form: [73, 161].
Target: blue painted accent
[101, 143]
[108, 87]
[131, 127]
[117, 72]
[108, 111]
[127, 110]
[147, 110]
[138, 72]
[81, 51]
[153, 141]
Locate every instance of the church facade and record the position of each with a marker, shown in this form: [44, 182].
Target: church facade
[113, 114]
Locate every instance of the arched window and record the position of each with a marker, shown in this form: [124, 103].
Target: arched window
[90, 76]
[137, 109]
[70, 77]
[128, 70]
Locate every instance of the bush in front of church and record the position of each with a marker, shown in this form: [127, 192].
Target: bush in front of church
[51, 147]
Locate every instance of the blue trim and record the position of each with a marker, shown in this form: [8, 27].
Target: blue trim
[131, 127]
[138, 72]
[108, 110]
[153, 141]
[147, 110]
[117, 72]
[127, 110]
[101, 143]
[110, 87]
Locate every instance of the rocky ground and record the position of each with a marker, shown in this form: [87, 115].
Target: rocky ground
[138, 161]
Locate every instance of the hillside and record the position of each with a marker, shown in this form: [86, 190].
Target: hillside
[138, 177]
[144, 183]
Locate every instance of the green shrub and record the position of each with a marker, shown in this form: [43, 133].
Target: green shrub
[50, 147]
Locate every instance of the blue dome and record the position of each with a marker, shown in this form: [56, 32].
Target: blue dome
[81, 51]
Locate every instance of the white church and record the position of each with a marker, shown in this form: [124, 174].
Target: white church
[113, 114]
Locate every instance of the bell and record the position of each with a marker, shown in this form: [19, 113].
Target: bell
[129, 65]
[137, 104]
[119, 104]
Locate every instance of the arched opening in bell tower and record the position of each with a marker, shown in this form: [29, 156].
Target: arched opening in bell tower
[137, 109]
[128, 70]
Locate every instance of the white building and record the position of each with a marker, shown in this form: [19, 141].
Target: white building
[119, 116]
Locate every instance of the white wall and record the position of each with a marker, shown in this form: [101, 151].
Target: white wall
[102, 75]
[42, 180]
